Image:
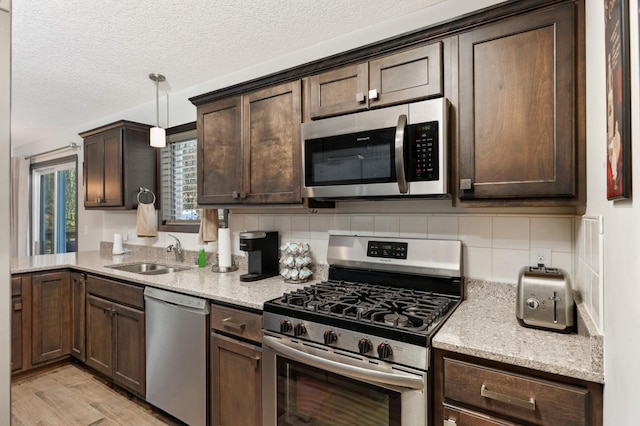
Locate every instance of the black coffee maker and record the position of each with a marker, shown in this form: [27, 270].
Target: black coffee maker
[262, 247]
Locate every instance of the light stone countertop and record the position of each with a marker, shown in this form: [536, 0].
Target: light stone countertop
[485, 326]
[201, 282]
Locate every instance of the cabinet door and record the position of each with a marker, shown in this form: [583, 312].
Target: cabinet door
[17, 326]
[99, 354]
[16, 333]
[93, 171]
[113, 190]
[219, 128]
[129, 348]
[51, 316]
[406, 76]
[78, 304]
[339, 91]
[517, 115]
[271, 144]
[236, 386]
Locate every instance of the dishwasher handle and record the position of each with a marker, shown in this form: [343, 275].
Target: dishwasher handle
[179, 300]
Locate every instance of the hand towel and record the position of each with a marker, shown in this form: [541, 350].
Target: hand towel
[208, 226]
[147, 225]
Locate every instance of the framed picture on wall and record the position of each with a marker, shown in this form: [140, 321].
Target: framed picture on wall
[618, 99]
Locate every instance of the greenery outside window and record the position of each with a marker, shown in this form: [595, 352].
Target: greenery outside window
[178, 180]
[54, 193]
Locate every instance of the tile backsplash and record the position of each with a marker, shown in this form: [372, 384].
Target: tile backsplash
[495, 246]
[589, 281]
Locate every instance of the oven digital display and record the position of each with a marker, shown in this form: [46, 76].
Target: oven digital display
[390, 250]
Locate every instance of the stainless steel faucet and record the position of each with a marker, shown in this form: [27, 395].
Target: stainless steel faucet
[176, 248]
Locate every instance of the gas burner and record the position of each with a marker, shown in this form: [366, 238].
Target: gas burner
[396, 320]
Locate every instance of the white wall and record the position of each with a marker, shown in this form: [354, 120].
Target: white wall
[5, 255]
[621, 237]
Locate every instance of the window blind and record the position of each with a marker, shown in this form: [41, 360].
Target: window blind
[179, 182]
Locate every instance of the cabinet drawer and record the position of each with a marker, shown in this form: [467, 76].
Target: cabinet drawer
[516, 396]
[237, 322]
[127, 294]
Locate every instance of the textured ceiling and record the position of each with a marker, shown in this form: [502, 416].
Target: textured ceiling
[75, 61]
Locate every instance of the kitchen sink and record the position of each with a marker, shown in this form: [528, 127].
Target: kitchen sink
[147, 268]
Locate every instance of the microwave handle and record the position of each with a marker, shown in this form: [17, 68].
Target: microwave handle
[402, 180]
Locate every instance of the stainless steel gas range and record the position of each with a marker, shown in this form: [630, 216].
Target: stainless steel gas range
[356, 349]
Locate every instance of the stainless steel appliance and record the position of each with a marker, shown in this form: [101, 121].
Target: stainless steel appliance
[176, 335]
[262, 248]
[545, 299]
[387, 152]
[356, 348]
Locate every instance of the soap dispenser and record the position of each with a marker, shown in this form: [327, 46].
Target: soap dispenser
[202, 258]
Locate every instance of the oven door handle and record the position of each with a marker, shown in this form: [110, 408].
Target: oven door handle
[351, 371]
[399, 148]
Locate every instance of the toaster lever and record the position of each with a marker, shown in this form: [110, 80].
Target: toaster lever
[555, 300]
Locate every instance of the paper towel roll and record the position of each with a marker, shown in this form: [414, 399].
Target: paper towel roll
[224, 247]
[117, 244]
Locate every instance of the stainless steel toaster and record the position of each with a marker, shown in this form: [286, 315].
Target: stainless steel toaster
[545, 299]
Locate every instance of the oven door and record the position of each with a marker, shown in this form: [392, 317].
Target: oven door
[308, 384]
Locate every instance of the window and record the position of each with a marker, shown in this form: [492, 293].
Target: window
[54, 206]
[178, 181]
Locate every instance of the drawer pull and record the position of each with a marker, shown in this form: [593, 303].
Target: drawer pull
[17, 306]
[236, 326]
[529, 404]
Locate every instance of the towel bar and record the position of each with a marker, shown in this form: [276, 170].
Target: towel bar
[143, 191]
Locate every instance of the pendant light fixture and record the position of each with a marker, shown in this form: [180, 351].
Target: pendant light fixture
[158, 136]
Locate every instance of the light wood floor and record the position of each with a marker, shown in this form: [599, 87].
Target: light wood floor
[71, 395]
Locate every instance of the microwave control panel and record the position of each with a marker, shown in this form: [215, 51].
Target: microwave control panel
[391, 250]
[422, 140]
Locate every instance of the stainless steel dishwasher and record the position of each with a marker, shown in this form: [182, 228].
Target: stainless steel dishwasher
[176, 343]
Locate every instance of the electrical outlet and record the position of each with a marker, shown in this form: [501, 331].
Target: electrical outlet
[540, 256]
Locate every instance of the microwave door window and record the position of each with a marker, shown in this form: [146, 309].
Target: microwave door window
[347, 159]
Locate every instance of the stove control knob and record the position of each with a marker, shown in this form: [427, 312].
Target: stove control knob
[285, 326]
[364, 345]
[384, 350]
[330, 337]
[299, 329]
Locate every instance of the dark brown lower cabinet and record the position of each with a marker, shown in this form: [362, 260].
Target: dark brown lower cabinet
[50, 316]
[115, 344]
[78, 303]
[475, 391]
[236, 367]
[16, 324]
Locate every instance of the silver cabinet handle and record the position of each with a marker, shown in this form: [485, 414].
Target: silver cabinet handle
[98, 200]
[17, 306]
[360, 97]
[529, 404]
[402, 180]
[235, 325]
[449, 422]
[339, 368]
[373, 94]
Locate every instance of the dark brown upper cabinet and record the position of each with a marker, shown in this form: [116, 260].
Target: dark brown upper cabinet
[405, 76]
[521, 110]
[118, 161]
[249, 148]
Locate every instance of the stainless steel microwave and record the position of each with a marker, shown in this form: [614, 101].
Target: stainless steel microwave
[388, 152]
